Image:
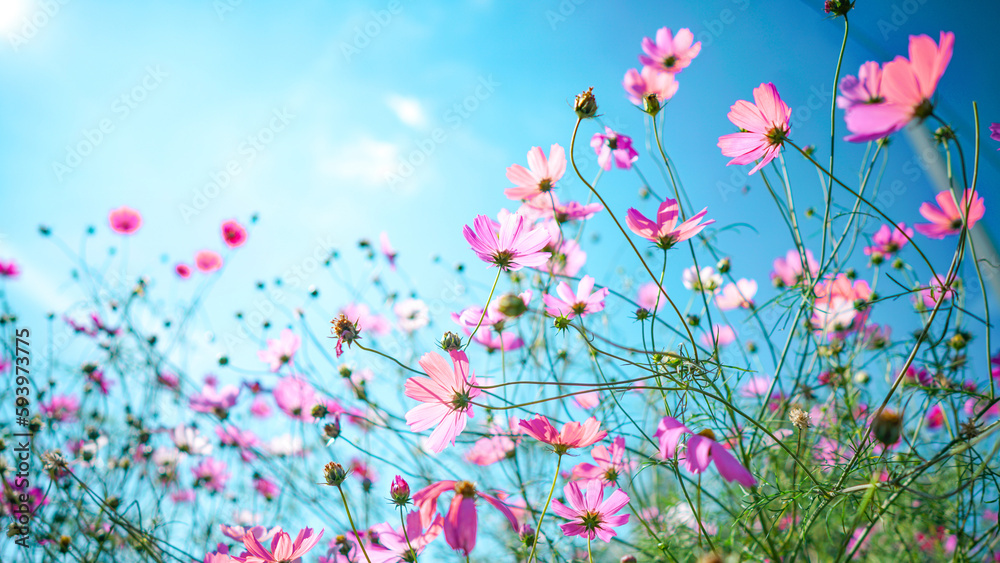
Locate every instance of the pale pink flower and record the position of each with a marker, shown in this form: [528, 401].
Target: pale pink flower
[190, 441]
[168, 380]
[887, 241]
[507, 341]
[283, 549]
[665, 230]
[907, 87]
[9, 269]
[260, 408]
[573, 434]
[739, 294]
[233, 233]
[865, 88]
[566, 259]
[702, 449]
[540, 176]
[411, 314]
[542, 208]
[947, 218]
[280, 351]
[215, 401]
[587, 401]
[461, 521]
[590, 514]
[567, 304]
[125, 220]
[610, 144]
[670, 53]
[610, 463]
[638, 85]
[720, 336]
[510, 245]
[835, 307]
[361, 315]
[207, 261]
[788, 270]
[296, 397]
[211, 473]
[766, 123]
[446, 398]
[936, 289]
[387, 250]
[647, 297]
[394, 546]
[487, 451]
[183, 496]
[705, 280]
[237, 532]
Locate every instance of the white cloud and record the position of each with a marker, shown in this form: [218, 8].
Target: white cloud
[363, 160]
[408, 110]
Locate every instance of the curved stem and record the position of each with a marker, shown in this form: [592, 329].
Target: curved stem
[538, 530]
[485, 307]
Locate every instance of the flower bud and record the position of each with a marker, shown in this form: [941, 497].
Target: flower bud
[837, 7]
[861, 377]
[334, 474]
[586, 104]
[561, 322]
[887, 426]
[651, 104]
[319, 410]
[451, 342]
[723, 265]
[641, 314]
[799, 418]
[332, 429]
[399, 491]
[512, 305]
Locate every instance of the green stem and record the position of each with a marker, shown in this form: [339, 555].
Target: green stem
[483, 316]
[538, 530]
[402, 523]
[353, 527]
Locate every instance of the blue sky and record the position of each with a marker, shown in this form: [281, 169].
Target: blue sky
[301, 110]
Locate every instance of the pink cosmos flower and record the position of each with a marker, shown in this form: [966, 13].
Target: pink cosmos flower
[720, 336]
[542, 208]
[446, 396]
[125, 220]
[207, 261]
[585, 301]
[541, 176]
[887, 241]
[865, 88]
[670, 53]
[590, 514]
[296, 397]
[168, 380]
[282, 548]
[370, 322]
[647, 297]
[509, 245]
[469, 317]
[280, 351]
[739, 294]
[702, 449]
[61, 408]
[215, 401]
[211, 473]
[237, 532]
[245, 440]
[788, 270]
[190, 441]
[946, 219]
[387, 250]
[665, 231]
[487, 451]
[611, 463]
[461, 521]
[182, 496]
[412, 314]
[936, 289]
[103, 383]
[9, 269]
[907, 86]
[233, 233]
[638, 85]
[766, 122]
[183, 271]
[935, 417]
[834, 309]
[705, 280]
[507, 341]
[995, 132]
[587, 401]
[566, 260]
[610, 144]
[394, 546]
[260, 408]
[572, 435]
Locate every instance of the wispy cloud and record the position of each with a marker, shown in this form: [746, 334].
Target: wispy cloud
[366, 161]
[409, 110]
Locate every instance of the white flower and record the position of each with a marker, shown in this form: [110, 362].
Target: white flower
[707, 280]
[189, 440]
[412, 314]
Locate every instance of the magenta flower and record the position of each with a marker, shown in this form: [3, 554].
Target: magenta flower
[670, 53]
[507, 340]
[394, 546]
[509, 245]
[935, 417]
[720, 336]
[61, 408]
[590, 514]
[788, 270]
[540, 176]
[183, 271]
[125, 220]
[665, 231]
[461, 521]
[610, 144]
[237, 532]
[865, 88]
[887, 241]
[702, 449]
[366, 320]
[765, 125]
[638, 85]
[296, 397]
[9, 269]
[568, 304]
[610, 463]
[211, 473]
[573, 434]
[907, 87]
[207, 261]
[446, 396]
[233, 233]
[739, 294]
[542, 208]
[215, 401]
[387, 250]
[947, 218]
[283, 550]
[935, 290]
[995, 132]
[280, 351]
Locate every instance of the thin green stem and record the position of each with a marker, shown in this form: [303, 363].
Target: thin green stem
[485, 307]
[353, 527]
[538, 530]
